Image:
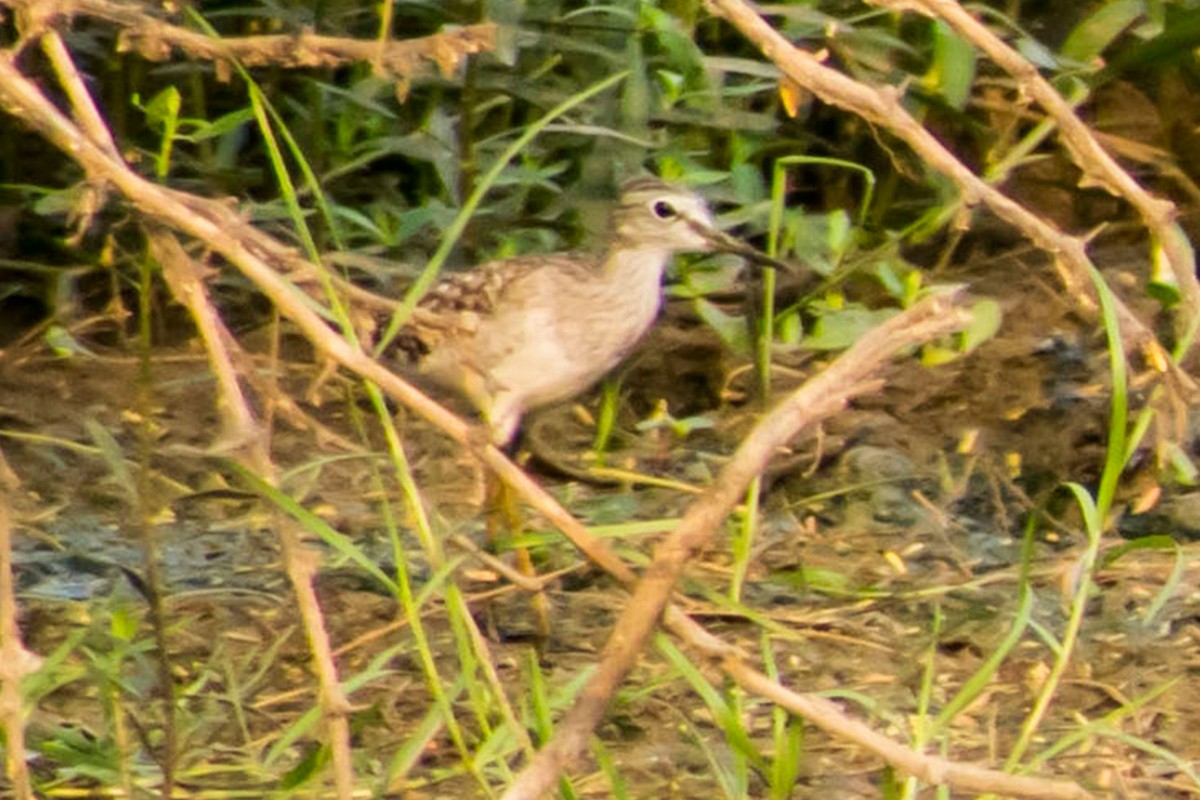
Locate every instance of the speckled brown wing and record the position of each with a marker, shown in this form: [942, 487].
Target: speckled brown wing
[457, 304]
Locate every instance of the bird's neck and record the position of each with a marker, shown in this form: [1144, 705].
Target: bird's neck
[630, 284]
[635, 266]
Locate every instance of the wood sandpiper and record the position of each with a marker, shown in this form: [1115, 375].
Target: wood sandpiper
[534, 330]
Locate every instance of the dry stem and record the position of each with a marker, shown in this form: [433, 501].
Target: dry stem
[253, 252]
[1099, 168]
[852, 374]
[15, 661]
[155, 39]
[880, 105]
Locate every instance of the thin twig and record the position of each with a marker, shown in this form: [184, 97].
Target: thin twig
[881, 105]
[185, 279]
[245, 247]
[1099, 168]
[15, 661]
[84, 110]
[852, 374]
[248, 441]
[932, 769]
[156, 39]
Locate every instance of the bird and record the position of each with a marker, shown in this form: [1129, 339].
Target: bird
[521, 333]
[530, 331]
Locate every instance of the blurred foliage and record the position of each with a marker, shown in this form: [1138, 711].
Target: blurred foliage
[699, 106]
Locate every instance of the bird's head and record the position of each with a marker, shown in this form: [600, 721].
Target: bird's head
[657, 215]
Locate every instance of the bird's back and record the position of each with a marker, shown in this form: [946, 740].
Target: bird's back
[516, 334]
[501, 325]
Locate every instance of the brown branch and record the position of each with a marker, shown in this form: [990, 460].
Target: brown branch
[155, 39]
[1099, 168]
[881, 106]
[247, 248]
[931, 769]
[15, 661]
[185, 278]
[83, 109]
[248, 440]
[852, 374]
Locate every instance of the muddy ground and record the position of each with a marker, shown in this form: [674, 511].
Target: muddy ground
[911, 506]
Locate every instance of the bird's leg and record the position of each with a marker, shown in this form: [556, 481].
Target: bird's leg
[503, 520]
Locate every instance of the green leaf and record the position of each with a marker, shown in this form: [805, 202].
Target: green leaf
[724, 714]
[1157, 543]
[315, 525]
[953, 69]
[789, 328]
[840, 233]
[731, 329]
[1037, 53]
[1092, 37]
[683, 55]
[222, 125]
[63, 344]
[840, 329]
[60, 201]
[304, 770]
[114, 458]
[985, 322]
[670, 85]
[1091, 514]
[933, 355]
[682, 427]
[1167, 294]
[123, 625]
[163, 108]
[891, 281]
[913, 280]
[1182, 464]
[814, 579]
[1163, 286]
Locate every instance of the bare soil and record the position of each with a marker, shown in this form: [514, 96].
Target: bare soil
[909, 508]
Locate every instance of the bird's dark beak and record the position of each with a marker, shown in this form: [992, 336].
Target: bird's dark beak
[724, 243]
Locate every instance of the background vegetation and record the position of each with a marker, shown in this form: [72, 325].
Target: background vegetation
[243, 574]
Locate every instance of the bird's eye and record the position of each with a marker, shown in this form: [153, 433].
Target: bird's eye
[663, 210]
